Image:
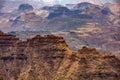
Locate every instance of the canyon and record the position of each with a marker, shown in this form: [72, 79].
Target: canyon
[48, 57]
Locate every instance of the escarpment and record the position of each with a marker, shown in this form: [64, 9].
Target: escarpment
[49, 58]
[7, 40]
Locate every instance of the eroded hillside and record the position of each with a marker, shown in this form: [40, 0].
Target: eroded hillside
[49, 58]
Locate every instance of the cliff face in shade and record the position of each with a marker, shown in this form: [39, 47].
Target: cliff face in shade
[25, 7]
[49, 58]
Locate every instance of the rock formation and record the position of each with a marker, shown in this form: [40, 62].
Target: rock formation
[49, 58]
[24, 7]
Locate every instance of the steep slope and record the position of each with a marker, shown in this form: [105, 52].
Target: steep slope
[27, 20]
[49, 58]
[104, 38]
[115, 8]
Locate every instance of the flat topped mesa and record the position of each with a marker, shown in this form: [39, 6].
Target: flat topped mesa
[45, 40]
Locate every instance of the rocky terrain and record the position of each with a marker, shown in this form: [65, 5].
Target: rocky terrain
[50, 58]
[25, 55]
[104, 38]
[85, 24]
[57, 17]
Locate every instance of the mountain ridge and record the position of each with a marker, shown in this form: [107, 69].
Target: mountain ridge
[49, 57]
[88, 12]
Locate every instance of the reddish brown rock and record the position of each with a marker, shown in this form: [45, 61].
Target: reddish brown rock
[49, 57]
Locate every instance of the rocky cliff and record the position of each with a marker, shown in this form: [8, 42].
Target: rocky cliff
[24, 7]
[49, 58]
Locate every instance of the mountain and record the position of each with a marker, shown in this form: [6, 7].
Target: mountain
[94, 25]
[104, 38]
[25, 7]
[86, 11]
[56, 10]
[43, 19]
[115, 8]
[84, 5]
[49, 57]
[11, 5]
[27, 20]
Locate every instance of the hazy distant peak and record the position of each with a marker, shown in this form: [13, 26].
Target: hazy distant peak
[25, 7]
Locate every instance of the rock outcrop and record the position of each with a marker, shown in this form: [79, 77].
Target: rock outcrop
[7, 40]
[24, 7]
[49, 58]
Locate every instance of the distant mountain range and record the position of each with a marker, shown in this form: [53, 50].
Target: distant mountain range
[28, 17]
[60, 42]
[80, 24]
